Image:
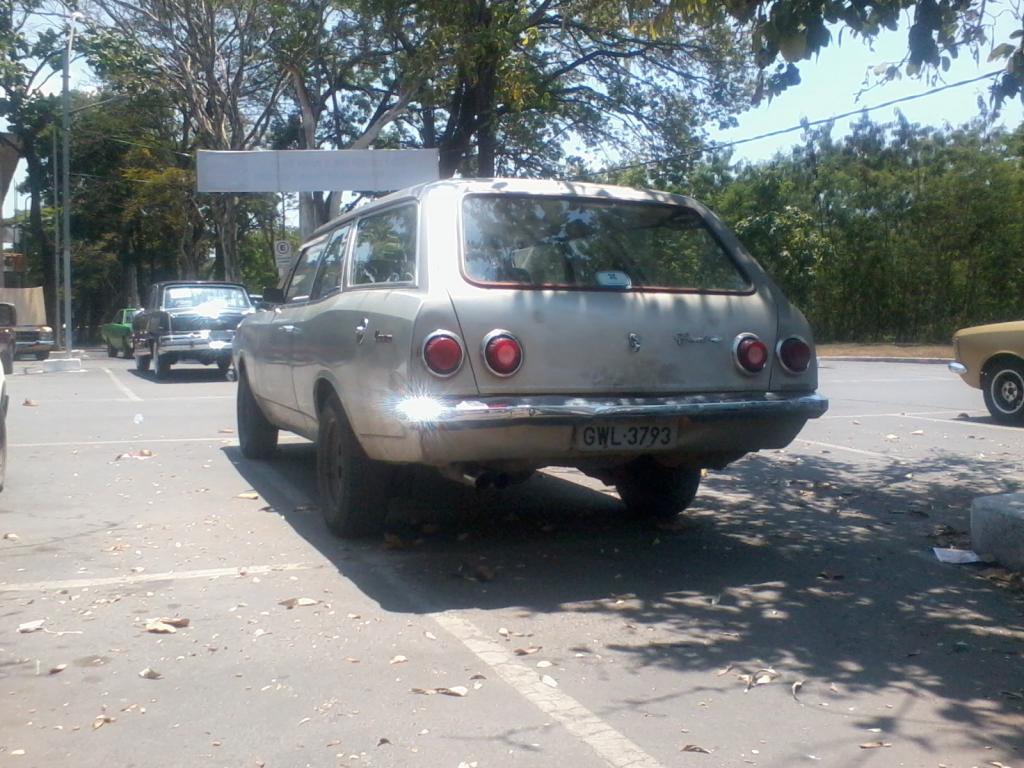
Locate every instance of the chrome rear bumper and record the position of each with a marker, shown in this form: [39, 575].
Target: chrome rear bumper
[437, 413]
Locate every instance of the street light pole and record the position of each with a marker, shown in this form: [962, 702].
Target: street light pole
[66, 180]
[56, 247]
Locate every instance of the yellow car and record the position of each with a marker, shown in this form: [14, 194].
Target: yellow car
[991, 358]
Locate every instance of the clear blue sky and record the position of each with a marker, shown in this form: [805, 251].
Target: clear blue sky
[830, 85]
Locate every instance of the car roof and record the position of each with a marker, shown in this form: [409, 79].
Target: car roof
[545, 187]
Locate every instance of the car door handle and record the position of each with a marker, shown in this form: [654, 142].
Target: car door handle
[361, 329]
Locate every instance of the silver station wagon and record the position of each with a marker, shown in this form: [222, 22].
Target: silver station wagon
[489, 328]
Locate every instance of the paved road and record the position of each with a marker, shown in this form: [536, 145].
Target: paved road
[578, 638]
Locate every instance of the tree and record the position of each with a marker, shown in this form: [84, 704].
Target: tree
[211, 57]
[30, 53]
[785, 32]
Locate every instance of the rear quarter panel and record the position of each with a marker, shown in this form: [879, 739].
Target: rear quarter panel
[979, 344]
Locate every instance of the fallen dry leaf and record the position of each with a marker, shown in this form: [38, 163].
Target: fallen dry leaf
[226, 431]
[248, 495]
[150, 674]
[549, 681]
[875, 745]
[724, 670]
[398, 660]
[10, 537]
[100, 721]
[430, 636]
[58, 669]
[527, 651]
[158, 627]
[30, 403]
[543, 664]
[457, 690]
[760, 677]
[796, 688]
[31, 626]
[695, 748]
[503, 631]
[144, 453]
[293, 602]
[382, 741]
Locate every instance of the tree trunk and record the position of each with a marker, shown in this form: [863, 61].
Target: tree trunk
[42, 243]
[225, 215]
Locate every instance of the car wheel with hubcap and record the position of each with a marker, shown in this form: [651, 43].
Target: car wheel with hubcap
[354, 490]
[1003, 387]
[257, 437]
[653, 491]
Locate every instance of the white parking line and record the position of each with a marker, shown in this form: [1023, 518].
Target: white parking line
[610, 745]
[858, 451]
[961, 423]
[224, 440]
[123, 389]
[835, 417]
[141, 578]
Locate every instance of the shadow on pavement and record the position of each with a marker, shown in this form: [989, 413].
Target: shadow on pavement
[182, 375]
[806, 563]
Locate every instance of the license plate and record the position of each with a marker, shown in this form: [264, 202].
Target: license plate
[629, 436]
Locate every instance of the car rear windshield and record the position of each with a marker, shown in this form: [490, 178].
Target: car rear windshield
[554, 242]
[206, 297]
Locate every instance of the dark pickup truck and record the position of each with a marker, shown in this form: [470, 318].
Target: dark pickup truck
[188, 321]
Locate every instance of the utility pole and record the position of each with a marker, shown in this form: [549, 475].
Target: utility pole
[56, 247]
[66, 179]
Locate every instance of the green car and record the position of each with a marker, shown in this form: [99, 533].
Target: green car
[117, 334]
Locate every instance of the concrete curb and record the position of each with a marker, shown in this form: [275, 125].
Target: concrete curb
[868, 359]
[997, 528]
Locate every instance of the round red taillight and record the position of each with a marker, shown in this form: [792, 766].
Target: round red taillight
[751, 353]
[794, 354]
[442, 353]
[503, 353]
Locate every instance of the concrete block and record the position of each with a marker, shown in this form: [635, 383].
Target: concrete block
[62, 364]
[997, 529]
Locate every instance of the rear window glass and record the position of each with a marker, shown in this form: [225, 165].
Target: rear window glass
[580, 243]
[205, 297]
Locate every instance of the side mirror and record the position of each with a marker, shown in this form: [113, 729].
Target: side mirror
[272, 295]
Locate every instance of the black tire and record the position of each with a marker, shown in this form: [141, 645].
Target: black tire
[142, 363]
[354, 490]
[8, 362]
[257, 437]
[111, 350]
[3, 449]
[161, 364]
[223, 365]
[1003, 388]
[653, 491]
[42, 355]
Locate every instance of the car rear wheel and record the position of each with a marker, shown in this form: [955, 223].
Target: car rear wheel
[1003, 388]
[42, 355]
[257, 437]
[161, 364]
[354, 490]
[223, 365]
[111, 350]
[653, 491]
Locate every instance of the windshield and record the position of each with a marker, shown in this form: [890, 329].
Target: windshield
[205, 297]
[593, 244]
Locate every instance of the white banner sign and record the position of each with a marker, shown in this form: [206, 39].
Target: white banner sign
[317, 170]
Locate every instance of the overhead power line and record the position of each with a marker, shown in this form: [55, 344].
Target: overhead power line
[799, 127]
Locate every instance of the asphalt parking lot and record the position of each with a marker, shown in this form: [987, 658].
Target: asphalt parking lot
[794, 616]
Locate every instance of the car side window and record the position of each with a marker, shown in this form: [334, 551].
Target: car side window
[385, 248]
[301, 283]
[328, 277]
